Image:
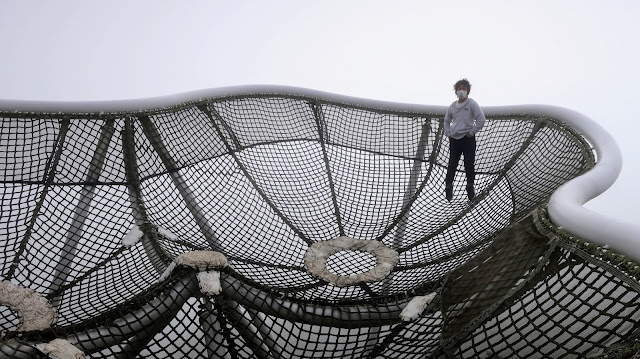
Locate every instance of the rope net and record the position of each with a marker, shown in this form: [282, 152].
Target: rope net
[98, 210]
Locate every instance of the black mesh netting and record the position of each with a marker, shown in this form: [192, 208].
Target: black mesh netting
[97, 206]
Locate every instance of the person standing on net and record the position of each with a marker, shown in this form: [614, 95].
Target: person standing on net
[463, 120]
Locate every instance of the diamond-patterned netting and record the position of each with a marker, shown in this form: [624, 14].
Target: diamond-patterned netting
[100, 211]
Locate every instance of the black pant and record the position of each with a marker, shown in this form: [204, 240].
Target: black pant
[467, 146]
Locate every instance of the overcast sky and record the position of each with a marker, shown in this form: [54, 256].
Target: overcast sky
[580, 54]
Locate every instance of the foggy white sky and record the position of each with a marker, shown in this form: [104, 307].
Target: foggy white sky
[580, 54]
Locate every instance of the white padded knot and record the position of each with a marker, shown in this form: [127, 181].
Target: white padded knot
[202, 261]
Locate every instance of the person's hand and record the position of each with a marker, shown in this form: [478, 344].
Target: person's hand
[469, 135]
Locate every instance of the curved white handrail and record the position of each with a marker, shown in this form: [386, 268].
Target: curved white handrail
[565, 205]
[152, 103]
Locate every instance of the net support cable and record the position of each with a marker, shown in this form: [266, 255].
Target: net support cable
[157, 256]
[323, 136]
[154, 137]
[49, 176]
[85, 198]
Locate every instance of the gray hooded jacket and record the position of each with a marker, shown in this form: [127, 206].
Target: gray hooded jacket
[463, 118]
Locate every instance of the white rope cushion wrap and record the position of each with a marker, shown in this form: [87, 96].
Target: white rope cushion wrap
[60, 349]
[209, 282]
[35, 310]
[316, 260]
[416, 306]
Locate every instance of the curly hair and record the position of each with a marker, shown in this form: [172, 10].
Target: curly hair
[462, 82]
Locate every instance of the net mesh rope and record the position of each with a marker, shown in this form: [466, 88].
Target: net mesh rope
[260, 179]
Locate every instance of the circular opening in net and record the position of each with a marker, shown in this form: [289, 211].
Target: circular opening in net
[9, 319]
[346, 263]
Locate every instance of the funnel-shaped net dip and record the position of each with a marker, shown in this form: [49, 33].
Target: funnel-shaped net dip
[288, 225]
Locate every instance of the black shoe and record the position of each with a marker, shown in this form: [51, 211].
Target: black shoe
[448, 190]
[471, 193]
